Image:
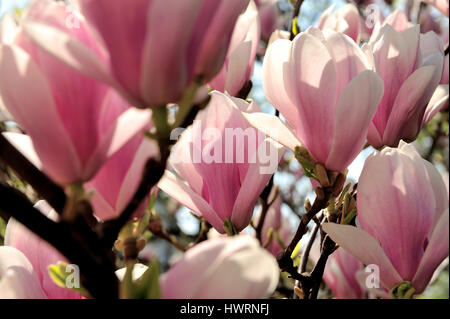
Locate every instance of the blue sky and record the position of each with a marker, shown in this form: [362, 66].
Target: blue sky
[9, 5]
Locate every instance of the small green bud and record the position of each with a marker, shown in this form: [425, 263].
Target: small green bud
[306, 161]
[403, 290]
[321, 174]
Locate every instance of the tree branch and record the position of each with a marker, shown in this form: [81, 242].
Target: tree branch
[96, 266]
[265, 205]
[297, 7]
[41, 183]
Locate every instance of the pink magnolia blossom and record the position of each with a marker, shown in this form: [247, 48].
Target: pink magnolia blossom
[324, 86]
[24, 263]
[278, 223]
[66, 114]
[217, 175]
[341, 275]
[398, 20]
[151, 56]
[238, 65]
[412, 71]
[18, 280]
[346, 20]
[115, 184]
[268, 12]
[222, 268]
[404, 220]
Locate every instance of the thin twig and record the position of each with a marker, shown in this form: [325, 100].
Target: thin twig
[329, 246]
[297, 7]
[321, 202]
[305, 256]
[265, 205]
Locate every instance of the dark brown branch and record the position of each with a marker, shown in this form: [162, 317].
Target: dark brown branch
[158, 230]
[203, 233]
[96, 266]
[297, 7]
[323, 195]
[328, 248]
[265, 205]
[321, 202]
[245, 90]
[44, 186]
[305, 256]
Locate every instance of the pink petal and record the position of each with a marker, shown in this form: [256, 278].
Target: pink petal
[406, 107]
[275, 76]
[182, 159]
[239, 266]
[274, 128]
[396, 55]
[435, 253]
[34, 110]
[40, 253]
[356, 107]
[314, 74]
[181, 192]
[127, 125]
[364, 247]
[8, 29]
[125, 41]
[396, 205]
[398, 20]
[258, 174]
[147, 149]
[349, 59]
[17, 277]
[238, 68]
[165, 54]
[438, 102]
[216, 38]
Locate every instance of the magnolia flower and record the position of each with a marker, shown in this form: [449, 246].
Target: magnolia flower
[221, 164]
[115, 184]
[341, 275]
[66, 114]
[238, 65]
[324, 86]
[411, 73]
[397, 20]
[278, 223]
[346, 20]
[24, 262]
[222, 268]
[268, 12]
[151, 57]
[404, 219]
